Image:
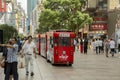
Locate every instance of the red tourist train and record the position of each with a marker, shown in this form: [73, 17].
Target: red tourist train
[57, 46]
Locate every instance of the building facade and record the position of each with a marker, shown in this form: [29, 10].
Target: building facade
[8, 12]
[20, 19]
[2, 11]
[100, 11]
[31, 4]
[2, 6]
[34, 18]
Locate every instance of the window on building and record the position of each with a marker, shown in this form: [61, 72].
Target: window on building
[102, 4]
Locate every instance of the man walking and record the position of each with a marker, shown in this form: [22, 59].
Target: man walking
[97, 45]
[29, 50]
[112, 47]
[100, 43]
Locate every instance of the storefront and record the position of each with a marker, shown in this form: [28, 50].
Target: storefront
[98, 30]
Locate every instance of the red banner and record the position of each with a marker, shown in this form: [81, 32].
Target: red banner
[98, 27]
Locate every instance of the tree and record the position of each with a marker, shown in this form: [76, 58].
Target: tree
[21, 35]
[63, 14]
[8, 31]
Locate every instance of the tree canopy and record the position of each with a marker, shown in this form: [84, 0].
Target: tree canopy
[8, 31]
[63, 14]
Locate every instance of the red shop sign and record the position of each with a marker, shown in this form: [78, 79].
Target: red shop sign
[98, 27]
[99, 19]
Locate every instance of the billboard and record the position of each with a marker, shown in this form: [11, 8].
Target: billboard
[97, 27]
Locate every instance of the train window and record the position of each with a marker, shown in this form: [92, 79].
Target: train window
[56, 41]
[72, 41]
[65, 41]
[51, 42]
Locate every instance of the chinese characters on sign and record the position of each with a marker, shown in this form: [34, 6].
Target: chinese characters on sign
[98, 27]
[64, 35]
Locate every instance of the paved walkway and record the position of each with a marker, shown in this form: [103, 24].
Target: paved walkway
[85, 67]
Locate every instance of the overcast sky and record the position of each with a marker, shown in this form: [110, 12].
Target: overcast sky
[24, 4]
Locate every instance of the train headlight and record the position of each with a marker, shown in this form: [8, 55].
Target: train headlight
[56, 52]
[64, 52]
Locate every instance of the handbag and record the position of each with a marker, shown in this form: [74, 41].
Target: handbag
[2, 64]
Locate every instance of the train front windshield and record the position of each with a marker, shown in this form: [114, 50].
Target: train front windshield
[63, 41]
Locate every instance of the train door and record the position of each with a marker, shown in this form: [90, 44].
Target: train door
[43, 45]
[50, 47]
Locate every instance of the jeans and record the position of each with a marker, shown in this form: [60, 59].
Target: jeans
[97, 48]
[11, 66]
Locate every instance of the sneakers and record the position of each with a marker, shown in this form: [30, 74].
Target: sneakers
[32, 74]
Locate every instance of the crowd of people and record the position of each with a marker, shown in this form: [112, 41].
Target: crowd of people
[82, 45]
[11, 50]
[98, 45]
[27, 49]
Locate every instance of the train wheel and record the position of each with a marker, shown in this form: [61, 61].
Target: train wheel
[70, 64]
[47, 60]
[47, 57]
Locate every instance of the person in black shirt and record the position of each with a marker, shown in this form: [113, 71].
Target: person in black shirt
[85, 45]
[81, 45]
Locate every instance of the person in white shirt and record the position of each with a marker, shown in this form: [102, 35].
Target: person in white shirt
[100, 43]
[75, 43]
[118, 43]
[29, 51]
[97, 45]
[112, 47]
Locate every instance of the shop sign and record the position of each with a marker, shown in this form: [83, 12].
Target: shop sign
[99, 19]
[98, 27]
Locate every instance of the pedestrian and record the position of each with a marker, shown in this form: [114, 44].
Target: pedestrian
[75, 43]
[85, 45]
[97, 46]
[29, 51]
[118, 43]
[81, 45]
[102, 49]
[112, 47]
[107, 46]
[100, 43]
[93, 45]
[19, 44]
[11, 64]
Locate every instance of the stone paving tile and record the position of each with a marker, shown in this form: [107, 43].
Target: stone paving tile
[85, 67]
